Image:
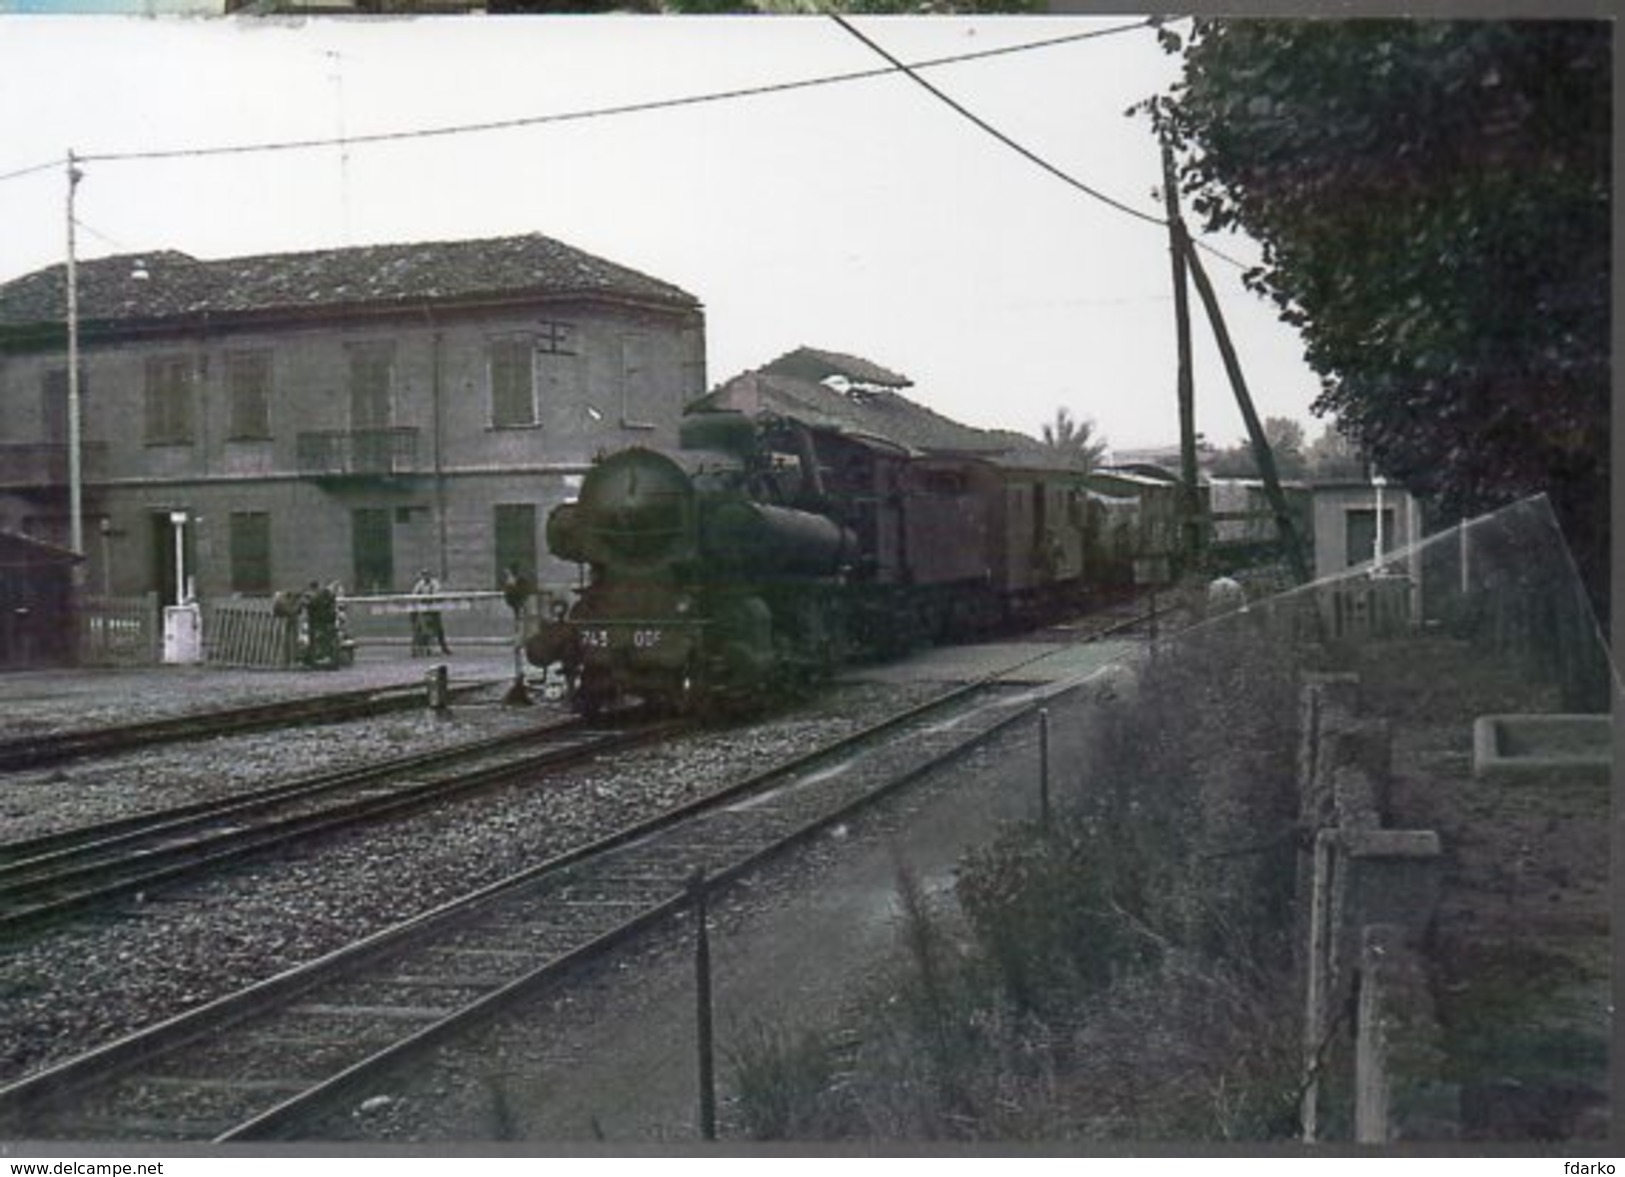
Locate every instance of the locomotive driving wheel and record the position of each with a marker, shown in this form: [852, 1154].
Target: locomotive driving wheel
[592, 692]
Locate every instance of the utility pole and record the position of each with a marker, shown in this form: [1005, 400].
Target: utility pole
[76, 522]
[1178, 244]
[1255, 431]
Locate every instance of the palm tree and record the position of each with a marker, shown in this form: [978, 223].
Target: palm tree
[1075, 437]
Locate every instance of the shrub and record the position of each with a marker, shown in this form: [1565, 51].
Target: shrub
[1123, 970]
[785, 1084]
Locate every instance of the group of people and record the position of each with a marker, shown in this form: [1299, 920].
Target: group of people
[318, 611]
[315, 633]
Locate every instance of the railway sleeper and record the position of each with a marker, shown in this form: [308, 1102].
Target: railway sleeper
[179, 1111]
[354, 1032]
[272, 1086]
[403, 1013]
[326, 1050]
[649, 885]
[395, 991]
[460, 950]
[474, 983]
[135, 1130]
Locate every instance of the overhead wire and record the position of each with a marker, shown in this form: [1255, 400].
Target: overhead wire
[29, 171]
[98, 234]
[599, 112]
[893, 66]
[1019, 148]
[1031, 156]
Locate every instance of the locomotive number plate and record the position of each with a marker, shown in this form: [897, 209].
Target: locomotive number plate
[599, 638]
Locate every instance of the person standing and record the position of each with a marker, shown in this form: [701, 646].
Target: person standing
[286, 606]
[432, 631]
[516, 590]
[322, 614]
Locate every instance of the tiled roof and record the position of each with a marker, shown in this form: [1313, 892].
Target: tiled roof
[809, 363]
[24, 551]
[176, 285]
[871, 412]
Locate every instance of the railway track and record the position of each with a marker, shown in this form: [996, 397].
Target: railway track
[260, 1063]
[44, 880]
[1119, 618]
[38, 751]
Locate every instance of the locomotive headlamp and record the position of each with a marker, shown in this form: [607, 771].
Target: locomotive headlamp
[683, 604]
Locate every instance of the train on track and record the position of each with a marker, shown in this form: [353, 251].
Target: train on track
[802, 523]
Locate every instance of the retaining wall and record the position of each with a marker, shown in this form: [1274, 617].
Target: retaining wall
[1371, 1063]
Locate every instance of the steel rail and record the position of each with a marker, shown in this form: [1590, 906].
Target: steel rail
[40, 890]
[18, 856]
[675, 882]
[121, 1060]
[47, 748]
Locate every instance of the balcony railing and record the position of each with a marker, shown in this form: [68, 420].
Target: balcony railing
[359, 453]
[42, 465]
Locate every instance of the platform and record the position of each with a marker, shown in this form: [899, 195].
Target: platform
[43, 700]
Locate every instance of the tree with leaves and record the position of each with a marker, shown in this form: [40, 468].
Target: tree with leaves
[1333, 456]
[1433, 200]
[1075, 437]
[1286, 440]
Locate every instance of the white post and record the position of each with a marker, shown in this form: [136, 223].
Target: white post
[107, 557]
[178, 518]
[76, 524]
[1378, 481]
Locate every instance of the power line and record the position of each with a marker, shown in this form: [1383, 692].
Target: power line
[894, 65]
[100, 236]
[39, 167]
[599, 112]
[1024, 152]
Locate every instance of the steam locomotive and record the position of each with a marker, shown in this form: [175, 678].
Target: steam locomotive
[793, 531]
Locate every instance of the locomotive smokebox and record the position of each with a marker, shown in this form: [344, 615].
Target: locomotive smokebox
[635, 507]
[765, 540]
[564, 526]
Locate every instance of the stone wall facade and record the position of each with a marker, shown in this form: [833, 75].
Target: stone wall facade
[350, 440]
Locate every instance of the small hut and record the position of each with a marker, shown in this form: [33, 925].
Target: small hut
[36, 603]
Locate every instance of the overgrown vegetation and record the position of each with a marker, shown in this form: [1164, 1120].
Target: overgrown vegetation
[1124, 973]
[1434, 202]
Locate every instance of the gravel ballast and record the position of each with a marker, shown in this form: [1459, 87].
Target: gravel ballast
[89, 982]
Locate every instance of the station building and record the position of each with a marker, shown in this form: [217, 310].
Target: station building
[251, 424]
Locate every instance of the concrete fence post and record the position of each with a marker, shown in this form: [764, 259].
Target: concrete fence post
[702, 997]
[1398, 1090]
[439, 689]
[1043, 768]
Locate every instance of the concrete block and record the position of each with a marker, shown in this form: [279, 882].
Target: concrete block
[1543, 750]
[1393, 877]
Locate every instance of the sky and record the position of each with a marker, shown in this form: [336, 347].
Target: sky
[864, 216]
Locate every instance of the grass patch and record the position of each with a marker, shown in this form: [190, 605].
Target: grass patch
[1121, 973]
